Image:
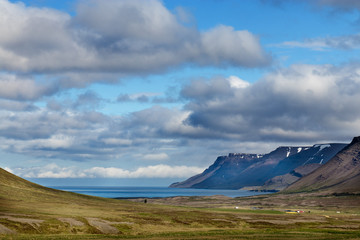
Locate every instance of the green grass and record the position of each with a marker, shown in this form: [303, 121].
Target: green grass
[23, 204]
[215, 234]
[233, 210]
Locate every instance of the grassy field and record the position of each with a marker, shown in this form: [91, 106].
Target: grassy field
[29, 211]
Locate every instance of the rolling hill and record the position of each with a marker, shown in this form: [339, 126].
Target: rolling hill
[44, 213]
[31, 211]
[280, 182]
[341, 174]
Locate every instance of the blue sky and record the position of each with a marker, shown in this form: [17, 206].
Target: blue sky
[147, 92]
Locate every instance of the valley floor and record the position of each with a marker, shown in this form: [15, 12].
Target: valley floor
[259, 217]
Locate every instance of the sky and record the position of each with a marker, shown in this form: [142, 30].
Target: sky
[149, 92]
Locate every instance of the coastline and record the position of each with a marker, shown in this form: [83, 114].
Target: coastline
[154, 192]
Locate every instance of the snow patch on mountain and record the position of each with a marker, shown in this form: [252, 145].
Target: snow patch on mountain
[322, 146]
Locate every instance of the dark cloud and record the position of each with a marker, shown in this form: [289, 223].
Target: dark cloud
[84, 102]
[142, 98]
[299, 104]
[54, 134]
[202, 90]
[17, 106]
[155, 98]
[88, 101]
[302, 103]
[124, 98]
[166, 99]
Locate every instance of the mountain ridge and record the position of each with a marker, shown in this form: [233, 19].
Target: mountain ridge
[232, 172]
[239, 160]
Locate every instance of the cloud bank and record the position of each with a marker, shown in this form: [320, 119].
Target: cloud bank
[305, 102]
[127, 37]
[302, 103]
[105, 41]
[156, 171]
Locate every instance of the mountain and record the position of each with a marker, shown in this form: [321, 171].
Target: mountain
[341, 174]
[291, 169]
[243, 170]
[214, 176]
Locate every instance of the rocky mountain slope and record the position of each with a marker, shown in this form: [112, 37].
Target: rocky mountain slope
[279, 183]
[242, 170]
[228, 166]
[294, 167]
[341, 174]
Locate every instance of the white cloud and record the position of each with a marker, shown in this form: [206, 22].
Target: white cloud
[25, 42]
[314, 44]
[155, 156]
[346, 42]
[124, 37]
[117, 141]
[14, 87]
[110, 172]
[48, 171]
[299, 103]
[156, 171]
[302, 103]
[237, 82]
[56, 141]
[8, 169]
[166, 171]
[143, 21]
[224, 44]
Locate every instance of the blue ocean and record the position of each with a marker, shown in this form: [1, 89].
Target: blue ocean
[153, 192]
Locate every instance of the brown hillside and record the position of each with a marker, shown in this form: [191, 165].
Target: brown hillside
[340, 175]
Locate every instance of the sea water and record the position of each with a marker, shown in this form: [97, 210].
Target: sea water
[153, 192]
